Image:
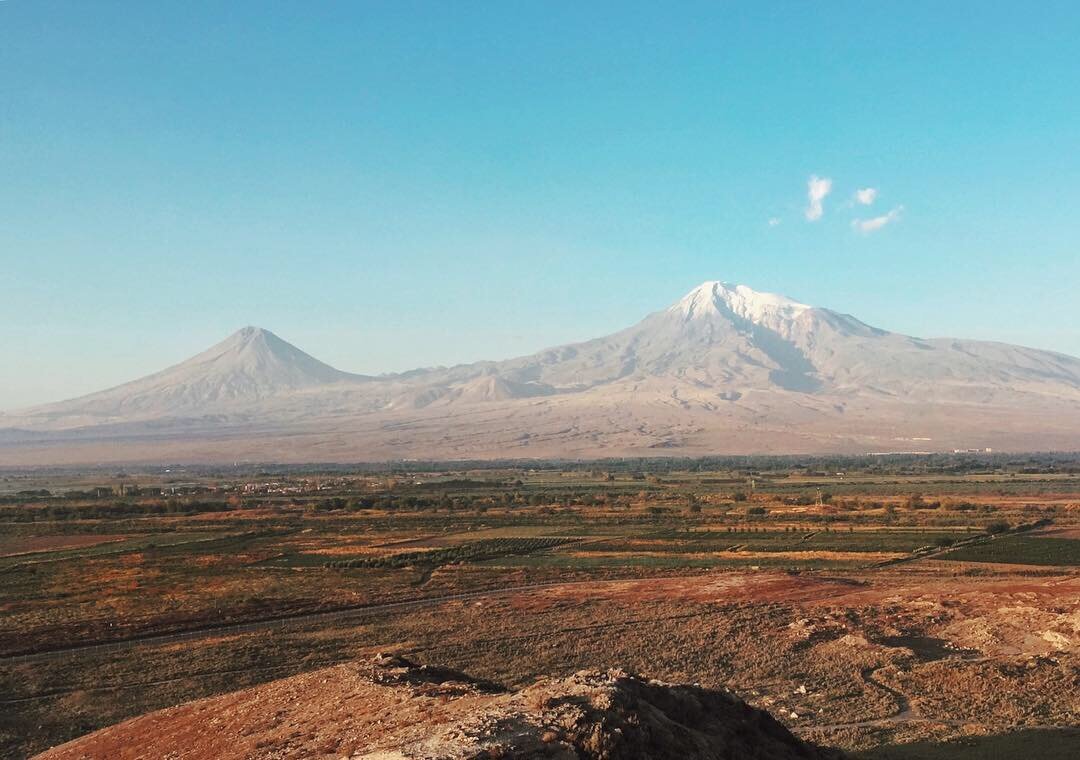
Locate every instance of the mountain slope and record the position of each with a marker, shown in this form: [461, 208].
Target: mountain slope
[733, 338]
[250, 365]
[725, 369]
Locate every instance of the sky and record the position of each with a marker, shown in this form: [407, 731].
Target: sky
[390, 185]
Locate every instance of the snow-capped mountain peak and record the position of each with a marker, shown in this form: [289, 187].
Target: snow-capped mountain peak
[721, 298]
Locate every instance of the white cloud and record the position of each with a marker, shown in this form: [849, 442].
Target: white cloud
[774, 221]
[866, 195]
[816, 190]
[872, 225]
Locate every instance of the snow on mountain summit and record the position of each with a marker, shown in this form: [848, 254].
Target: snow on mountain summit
[721, 298]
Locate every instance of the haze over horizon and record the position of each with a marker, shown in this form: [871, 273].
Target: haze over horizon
[725, 369]
[755, 307]
[411, 185]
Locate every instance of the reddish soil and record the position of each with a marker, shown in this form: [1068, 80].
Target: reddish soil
[389, 709]
[717, 587]
[33, 544]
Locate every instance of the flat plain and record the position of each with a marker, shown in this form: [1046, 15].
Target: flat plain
[893, 607]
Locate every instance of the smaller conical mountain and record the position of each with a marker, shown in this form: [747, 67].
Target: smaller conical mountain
[250, 365]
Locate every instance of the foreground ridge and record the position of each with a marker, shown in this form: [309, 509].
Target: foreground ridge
[393, 709]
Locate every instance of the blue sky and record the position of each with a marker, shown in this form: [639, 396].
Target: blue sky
[395, 184]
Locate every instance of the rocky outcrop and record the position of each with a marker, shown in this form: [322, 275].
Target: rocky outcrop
[392, 709]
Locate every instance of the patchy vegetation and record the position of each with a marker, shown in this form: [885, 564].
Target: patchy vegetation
[813, 588]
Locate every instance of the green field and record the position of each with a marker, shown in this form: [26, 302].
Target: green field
[1036, 744]
[1021, 550]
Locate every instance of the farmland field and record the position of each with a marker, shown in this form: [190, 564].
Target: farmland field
[814, 596]
[1022, 550]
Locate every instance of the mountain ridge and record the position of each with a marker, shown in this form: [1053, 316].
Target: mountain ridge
[723, 367]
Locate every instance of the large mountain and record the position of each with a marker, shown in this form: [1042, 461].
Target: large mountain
[726, 369]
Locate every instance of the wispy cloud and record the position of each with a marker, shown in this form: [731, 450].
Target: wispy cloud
[774, 221]
[866, 195]
[876, 223]
[816, 190]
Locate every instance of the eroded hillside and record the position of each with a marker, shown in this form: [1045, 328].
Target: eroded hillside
[392, 709]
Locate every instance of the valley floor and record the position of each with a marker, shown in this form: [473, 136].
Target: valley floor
[898, 633]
